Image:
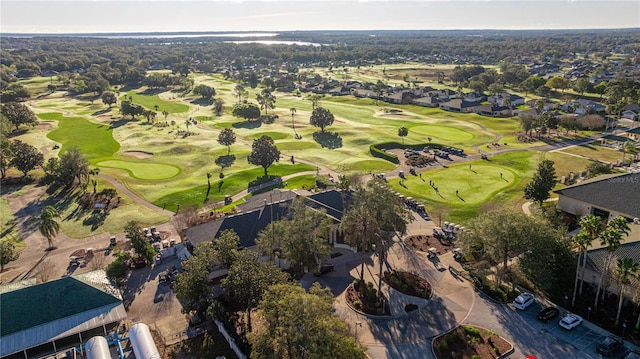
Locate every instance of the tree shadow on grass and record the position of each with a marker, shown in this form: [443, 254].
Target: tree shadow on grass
[96, 219]
[101, 112]
[121, 122]
[225, 161]
[202, 102]
[329, 140]
[247, 124]
[150, 91]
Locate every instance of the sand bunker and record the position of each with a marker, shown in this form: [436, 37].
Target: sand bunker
[138, 154]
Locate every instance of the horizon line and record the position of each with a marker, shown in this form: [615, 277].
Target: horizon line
[8, 33]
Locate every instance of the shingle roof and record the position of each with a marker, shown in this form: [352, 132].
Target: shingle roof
[618, 193]
[257, 214]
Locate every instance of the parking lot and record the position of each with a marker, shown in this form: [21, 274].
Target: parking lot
[582, 339]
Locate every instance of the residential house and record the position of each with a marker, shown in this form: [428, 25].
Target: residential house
[547, 105]
[500, 99]
[399, 97]
[492, 110]
[584, 106]
[340, 91]
[427, 101]
[459, 106]
[40, 320]
[474, 97]
[631, 112]
[444, 95]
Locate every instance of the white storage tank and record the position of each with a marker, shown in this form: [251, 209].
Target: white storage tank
[97, 348]
[142, 342]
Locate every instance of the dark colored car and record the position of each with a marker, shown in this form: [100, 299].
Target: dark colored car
[547, 314]
[325, 268]
[610, 345]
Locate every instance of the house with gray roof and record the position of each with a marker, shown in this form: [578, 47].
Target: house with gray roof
[260, 210]
[47, 318]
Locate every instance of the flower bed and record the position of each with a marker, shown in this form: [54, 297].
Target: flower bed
[364, 298]
[408, 283]
[469, 342]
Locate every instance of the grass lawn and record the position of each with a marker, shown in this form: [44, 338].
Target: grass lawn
[481, 188]
[78, 223]
[143, 170]
[150, 101]
[476, 186]
[595, 151]
[94, 140]
[8, 228]
[196, 195]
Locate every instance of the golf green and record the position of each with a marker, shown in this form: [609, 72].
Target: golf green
[143, 170]
[459, 184]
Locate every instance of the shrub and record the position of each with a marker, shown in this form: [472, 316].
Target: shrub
[443, 346]
[357, 304]
[496, 350]
[475, 356]
[376, 152]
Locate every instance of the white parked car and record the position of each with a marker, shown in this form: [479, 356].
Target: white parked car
[571, 321]
[523, 301]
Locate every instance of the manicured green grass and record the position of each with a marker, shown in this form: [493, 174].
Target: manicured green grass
[595, 151]
[143, 170]
[231, 185]
[94, 140]
[477, 187]
[8, 228]
[150, 101]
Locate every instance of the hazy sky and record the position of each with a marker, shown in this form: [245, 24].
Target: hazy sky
[82, 16]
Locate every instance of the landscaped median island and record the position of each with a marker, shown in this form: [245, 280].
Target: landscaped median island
[408, 283]
[470, 342]
[364, 298]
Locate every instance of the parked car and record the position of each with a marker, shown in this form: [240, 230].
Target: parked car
[609, 345]
[547, 314]
[571, 321]
[632, 354]
[523, 301]
[324, 268]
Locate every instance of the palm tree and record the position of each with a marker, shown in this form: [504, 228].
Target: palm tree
[611, 237]
[625, 269]
[360, 226]
[627, 146]
[592, 225]
[583, 241]
[48, 226]
[293, 113]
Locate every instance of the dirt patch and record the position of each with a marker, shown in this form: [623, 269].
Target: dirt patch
[423, 242]
[138, 154]
[468, 342]
[44, 125]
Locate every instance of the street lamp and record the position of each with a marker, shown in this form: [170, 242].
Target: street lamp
[588, 312]
[358, 324]
[566, 298]
[624, 328]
